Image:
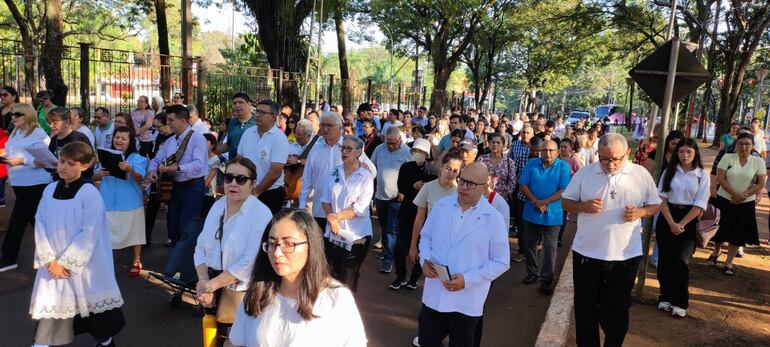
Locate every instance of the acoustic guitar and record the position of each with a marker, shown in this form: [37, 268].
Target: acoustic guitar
[165, 181]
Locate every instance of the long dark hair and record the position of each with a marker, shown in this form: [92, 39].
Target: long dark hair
[131, 139]
[668, 175]
[673, 134]
[12, 91]
[314, 276]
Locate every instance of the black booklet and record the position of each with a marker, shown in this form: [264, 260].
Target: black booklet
[109, 158]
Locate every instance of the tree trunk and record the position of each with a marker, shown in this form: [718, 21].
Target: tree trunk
[54, 49]
[27, 43]
[280, 24]
[163, 48]
[438, 97]
[343, 57]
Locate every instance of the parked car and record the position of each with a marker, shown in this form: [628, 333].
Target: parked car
[610, 114]
[575, 116]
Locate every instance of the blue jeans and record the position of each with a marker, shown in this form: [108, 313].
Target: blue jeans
[387, 215]
[186, 203]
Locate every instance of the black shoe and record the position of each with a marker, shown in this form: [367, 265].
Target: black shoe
[559, 244]
[712, 260]
[397, 284]
[412, 285]
[529, 279]
[545, 288]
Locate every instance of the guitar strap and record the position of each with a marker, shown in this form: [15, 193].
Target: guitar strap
[182, 147]
[307, 149]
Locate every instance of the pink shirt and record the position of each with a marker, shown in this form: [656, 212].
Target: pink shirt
[141, 118]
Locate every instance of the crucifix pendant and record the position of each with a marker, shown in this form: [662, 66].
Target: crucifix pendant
[612, 194]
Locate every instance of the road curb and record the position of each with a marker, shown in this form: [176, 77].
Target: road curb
[557, 322]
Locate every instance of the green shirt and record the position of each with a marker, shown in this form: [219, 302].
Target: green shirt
[41, 112]
[235, 130]
[727, 139]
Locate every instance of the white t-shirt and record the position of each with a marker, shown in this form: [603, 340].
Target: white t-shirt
[280, 325]
[606, 235]
[432, 192]
[388, 125]
[271, 147]
[86, 131]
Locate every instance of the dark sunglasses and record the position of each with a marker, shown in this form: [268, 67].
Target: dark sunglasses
[240, 179]
[17, 114]
[4, 94]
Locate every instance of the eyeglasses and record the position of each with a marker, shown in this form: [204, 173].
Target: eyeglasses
[240, 179]
[17, 114]
[291, 122]
[614, 160]
[347, 149]
[261, 113]
[744, 144]
[469, 184]
[286, 246]
[4, 94]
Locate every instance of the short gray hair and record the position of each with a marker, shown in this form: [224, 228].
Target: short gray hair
[333, 116]
[393, 131]
[359, 143]
[192, 109]
[613, 139]
[307, 127]
[527, 126]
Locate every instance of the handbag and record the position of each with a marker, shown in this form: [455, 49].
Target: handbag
[227, 305]
[707, 226]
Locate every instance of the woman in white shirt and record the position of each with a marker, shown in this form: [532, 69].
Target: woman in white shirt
[433, 191]
[291, 299]
[684, 190]
[27, 180]
[229, 243]
[346, 203]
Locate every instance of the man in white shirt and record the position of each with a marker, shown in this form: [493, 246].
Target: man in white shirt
[392, 121]
[304, 134]
[197, 123]
[466, 235]
[104, 128]
[422, 118]
[609, 197]
[268, 147]
[321, 161]
[79, 123]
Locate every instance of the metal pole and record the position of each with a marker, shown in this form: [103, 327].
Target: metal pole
[368, 90]
[85, 77]
[425, 91]
[318, 57]
[330, 95]
[666, 107]
[399, 96]
[305, 88]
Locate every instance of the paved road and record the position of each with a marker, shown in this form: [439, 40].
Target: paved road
[514, 311]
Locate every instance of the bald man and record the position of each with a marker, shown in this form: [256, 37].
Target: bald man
[466, 238]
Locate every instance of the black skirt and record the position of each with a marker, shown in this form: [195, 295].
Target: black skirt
[738, 223]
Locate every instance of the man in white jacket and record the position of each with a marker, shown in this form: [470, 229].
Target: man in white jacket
[465, 235]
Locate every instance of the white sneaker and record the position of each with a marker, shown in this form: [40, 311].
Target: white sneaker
[665, 306]
[416, 341]
[678, 312]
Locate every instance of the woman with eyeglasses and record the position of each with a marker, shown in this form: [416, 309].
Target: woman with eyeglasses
[27, 180]
[229, 242]
[740, 175]
[124, 198]
[142, 118]
[292, 300]
[346, 203]
[8, 98]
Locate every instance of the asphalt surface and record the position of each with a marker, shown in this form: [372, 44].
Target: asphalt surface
[513, 314]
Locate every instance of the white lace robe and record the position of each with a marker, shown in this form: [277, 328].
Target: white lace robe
[74, 233]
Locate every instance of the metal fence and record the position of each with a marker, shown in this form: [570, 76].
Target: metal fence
[116, 78]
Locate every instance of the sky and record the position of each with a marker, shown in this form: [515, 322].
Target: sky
[214, 19]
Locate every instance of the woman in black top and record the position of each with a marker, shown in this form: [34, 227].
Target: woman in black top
[61, 134]
[8, 98]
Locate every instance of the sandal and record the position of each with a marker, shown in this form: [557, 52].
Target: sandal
[729, 271]
[135, 270]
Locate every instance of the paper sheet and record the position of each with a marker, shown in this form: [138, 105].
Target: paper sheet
[44, 156]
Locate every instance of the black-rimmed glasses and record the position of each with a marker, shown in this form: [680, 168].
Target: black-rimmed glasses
[470, 184]
[286, 246]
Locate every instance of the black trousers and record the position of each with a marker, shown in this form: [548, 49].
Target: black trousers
[674, 256]
[273, 199]
[23, 214]
[602, 298]
[434, 326]
[403, 241]
[345, 265]
[151, 213]
[518, 207]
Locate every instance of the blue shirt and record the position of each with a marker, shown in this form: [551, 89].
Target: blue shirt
[543, 183]
[124, 195]
[235, 130]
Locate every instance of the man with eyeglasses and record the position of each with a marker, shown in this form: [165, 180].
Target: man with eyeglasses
[388, 158]
[104, 128]
[320, 163]
[465, 238]
[609, 197]
[542, 182]
[268, 147]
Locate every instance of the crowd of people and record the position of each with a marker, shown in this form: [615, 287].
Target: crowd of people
[287, 203]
